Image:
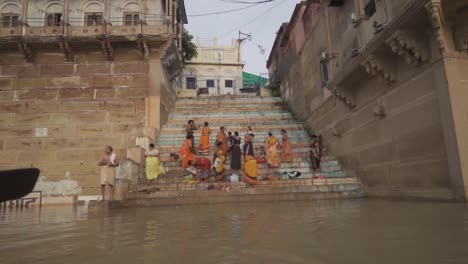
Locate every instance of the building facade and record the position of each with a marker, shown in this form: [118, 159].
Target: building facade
[383, 82]
[78, 75]
[217, 69]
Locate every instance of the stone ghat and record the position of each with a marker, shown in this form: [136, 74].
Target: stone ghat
[263, 114]
[280, 190]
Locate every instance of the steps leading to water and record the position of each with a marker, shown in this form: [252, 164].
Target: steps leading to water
[263, 114]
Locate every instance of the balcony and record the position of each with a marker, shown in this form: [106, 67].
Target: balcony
[10, 31]
[52, 31]
[78, 29]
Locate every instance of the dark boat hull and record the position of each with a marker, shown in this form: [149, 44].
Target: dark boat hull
[18, 183]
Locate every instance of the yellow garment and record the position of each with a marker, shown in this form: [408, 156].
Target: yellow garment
[153, 168]
[222, 159]
[272, 155]
[250, 166]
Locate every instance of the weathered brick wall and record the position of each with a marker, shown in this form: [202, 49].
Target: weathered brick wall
[403, 153]
[84, 107]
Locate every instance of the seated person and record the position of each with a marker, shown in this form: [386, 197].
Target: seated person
[218, 165]
[203, 166]
[191, 171]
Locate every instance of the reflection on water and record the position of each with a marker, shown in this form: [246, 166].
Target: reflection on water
[353, 231]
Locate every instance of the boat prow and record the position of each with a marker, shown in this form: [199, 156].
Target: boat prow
[17, 183]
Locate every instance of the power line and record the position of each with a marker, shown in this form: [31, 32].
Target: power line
[245, 2]
[223, 12]
[255, 18]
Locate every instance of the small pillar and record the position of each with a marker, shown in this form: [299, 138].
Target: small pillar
[122, 186]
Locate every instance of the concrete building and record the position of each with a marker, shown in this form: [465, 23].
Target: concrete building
[384, 83]
[217, 69]
[78, 75]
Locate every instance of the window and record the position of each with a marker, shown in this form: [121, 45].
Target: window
[131, 19]
[228, 83]
[210, 83]
[324, 71]
[93, 19]
[53, 20]
[370, 8]
[191, 82]
[10, 20]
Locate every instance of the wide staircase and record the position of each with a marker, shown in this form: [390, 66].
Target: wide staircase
[235, 113]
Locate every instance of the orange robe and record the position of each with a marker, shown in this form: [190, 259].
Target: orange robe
[272, 151]
[186, 153]
[221, 137]
[286, 154]
[205, 138]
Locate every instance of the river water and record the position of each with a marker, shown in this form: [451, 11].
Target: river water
[313, 232]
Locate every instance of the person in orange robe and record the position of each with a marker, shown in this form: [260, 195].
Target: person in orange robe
[205, 139]
[286, 146]
[186, 151]
[221, 137]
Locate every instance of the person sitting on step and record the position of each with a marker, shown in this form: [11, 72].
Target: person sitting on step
[218, 165]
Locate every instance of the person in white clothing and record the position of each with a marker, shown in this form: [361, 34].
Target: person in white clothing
[108, 164]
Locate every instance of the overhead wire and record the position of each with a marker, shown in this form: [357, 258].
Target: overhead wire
[252, 20]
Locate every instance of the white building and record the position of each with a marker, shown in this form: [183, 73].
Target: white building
[217, 69]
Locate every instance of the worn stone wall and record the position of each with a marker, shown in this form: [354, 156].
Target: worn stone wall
[84, 106]
[395, 137]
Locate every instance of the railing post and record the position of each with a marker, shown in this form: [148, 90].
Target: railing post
[24, 16]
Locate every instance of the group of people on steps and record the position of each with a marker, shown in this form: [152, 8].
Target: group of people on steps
[227, 146]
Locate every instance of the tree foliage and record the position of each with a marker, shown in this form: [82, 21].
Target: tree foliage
[188, 47]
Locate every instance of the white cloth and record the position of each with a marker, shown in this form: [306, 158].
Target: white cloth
[153, 152]
[112, 158]
[217, 163]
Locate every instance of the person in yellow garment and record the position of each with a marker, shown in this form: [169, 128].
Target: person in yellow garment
[250, 170]
[272, 151]
[218, 165]
[153, 165]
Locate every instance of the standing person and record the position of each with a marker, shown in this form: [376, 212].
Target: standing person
[229, 141]
[272, 151]
[153, 165]
[250, 170]
[248, 146]
[190, 128]
[236, 152]
[205, 139]
[186, 151]
[221, 137]
[316, 156]
[248, 133]
[286, 146]
[108, 164]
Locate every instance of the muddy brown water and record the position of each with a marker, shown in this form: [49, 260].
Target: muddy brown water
[321, 232]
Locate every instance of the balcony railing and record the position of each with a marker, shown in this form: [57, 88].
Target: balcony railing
[79, 28]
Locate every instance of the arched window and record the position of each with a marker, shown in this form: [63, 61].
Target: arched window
[10, 13]
[210, 78]
[131, 13]
[229, 81]
[94, 13]
[191, 79]
[53, 14]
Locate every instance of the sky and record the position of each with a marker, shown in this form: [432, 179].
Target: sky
[261, 21]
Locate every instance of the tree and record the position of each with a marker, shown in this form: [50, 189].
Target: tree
[188, 47]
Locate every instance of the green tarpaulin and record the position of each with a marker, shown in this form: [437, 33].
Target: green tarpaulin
[253, 80]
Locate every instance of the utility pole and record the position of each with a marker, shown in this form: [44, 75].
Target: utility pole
[240, 40]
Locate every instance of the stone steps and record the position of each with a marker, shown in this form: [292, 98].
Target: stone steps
[240, 185]
[263, 114]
